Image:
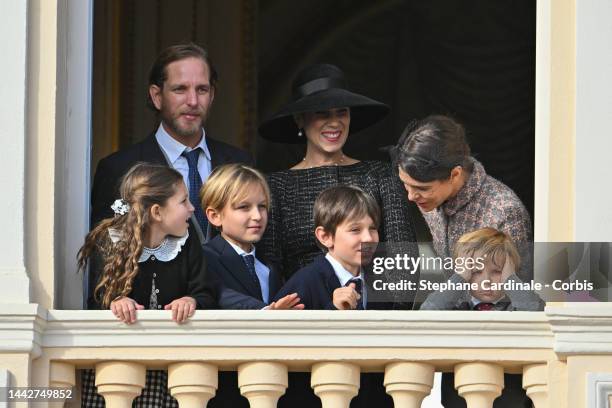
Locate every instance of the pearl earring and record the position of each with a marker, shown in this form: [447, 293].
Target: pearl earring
[300, 133]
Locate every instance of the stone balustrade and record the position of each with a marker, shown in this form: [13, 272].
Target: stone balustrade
[335, 347]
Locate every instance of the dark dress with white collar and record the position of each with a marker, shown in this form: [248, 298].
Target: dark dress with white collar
[160, 280]
[171, 271]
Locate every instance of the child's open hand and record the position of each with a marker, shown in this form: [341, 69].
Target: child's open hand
[125, 309]
[289, 302]
[465, 273]
[509, 269]
[182, 308]
[346, 298]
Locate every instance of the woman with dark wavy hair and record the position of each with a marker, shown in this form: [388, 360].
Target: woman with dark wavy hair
[452, 189]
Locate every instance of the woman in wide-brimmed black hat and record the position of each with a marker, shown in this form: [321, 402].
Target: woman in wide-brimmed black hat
[322, 113]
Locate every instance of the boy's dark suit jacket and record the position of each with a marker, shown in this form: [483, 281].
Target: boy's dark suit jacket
[315, 284]
[110, 170]
[237, 292]
[232, 272]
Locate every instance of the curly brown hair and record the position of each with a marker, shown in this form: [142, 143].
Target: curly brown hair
[143, 186]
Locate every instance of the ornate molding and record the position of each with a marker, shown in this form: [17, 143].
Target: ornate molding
[599, 390]
[22, 328]
[581, 328]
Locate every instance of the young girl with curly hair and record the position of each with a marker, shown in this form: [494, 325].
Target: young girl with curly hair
[147, 257]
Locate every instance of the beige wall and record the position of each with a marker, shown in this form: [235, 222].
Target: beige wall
[19, 367]
[578, 367]
[555, 121]
[40, 150]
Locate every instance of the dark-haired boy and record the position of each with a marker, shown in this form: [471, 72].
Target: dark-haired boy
[345, 218]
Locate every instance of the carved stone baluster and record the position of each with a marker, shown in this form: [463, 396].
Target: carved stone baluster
[262, 383]
[479, 383]
[192, 384]
[535, 383]
[408, 383]
[335, 383]
[119, 382]
[62, 376]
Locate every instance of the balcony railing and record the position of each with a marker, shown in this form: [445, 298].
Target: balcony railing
[552, 349]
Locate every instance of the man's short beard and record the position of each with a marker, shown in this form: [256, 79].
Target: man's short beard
[173, 125]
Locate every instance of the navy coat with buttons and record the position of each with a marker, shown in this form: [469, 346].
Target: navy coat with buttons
[185, 275]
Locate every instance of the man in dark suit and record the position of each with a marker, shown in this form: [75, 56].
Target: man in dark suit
[181, 89]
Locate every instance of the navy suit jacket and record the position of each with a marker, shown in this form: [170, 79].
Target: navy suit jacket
[110, 170]
[238, 291]
[315, 284]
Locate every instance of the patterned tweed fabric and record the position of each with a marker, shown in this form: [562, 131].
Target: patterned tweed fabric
[482, 202]
[289, 237]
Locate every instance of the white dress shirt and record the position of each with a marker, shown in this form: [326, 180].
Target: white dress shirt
[173, 151]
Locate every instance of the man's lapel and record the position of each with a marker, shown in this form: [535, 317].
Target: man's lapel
[152, 153]
[217, 154]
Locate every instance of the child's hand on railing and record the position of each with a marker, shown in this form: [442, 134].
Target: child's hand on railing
[125, 309]
[182, 308]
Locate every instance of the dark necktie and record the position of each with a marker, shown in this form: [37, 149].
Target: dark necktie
[249, 260]
[484, 306]
[195, 183]
[359, 289]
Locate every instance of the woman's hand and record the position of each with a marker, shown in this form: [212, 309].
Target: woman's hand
[125, 309]
[289, 302]
[182, 308]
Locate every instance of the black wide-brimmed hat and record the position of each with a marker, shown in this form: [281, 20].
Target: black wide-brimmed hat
[321, 87]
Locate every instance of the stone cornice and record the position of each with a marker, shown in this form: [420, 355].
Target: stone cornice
[581, 328]
[22, 328]
[529, 330]
[566, 330]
